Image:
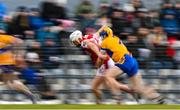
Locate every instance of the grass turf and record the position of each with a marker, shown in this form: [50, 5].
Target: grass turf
[89, 107]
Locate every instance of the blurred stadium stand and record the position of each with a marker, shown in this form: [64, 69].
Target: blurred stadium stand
[68, 71]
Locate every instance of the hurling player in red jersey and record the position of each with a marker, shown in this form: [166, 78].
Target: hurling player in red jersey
[90, 43]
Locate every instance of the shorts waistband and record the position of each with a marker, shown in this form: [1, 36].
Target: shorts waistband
[122, 60]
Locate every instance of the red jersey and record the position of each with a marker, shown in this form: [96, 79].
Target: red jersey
[94, 40]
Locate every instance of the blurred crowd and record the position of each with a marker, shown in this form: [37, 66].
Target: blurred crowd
[153, 36]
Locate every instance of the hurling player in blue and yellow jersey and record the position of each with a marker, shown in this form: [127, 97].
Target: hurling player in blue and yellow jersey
[124, 63]
[8, 62]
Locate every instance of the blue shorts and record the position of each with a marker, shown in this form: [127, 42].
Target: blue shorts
[130, 65]
[7, 69]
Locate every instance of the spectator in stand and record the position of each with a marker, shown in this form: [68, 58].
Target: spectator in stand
[143, 49]
[86, 15]
[153, 19]
[50, 52]
[142, 36]
[177, 6]
[166, 6]
[103, 18]
[61, 10]
[157, 37]
[132, 8]
[20, 22]
[178, 11]
[157, 41]
[84, 8]
[4, 23]
[132, 43]
[36, 22]
[103, 8]
[47, 9]
[137, 4]
[140, 19]
[129, 12]
[115, 5]
[3, 10]
[46, 32]
[118, 21]
[51, 9]
[30, 38]
[33, 60]
[35, 50]
[169, 20]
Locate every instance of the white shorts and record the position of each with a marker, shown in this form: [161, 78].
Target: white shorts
[102, 68]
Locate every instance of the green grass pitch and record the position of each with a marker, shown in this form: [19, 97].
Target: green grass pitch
[88, 107]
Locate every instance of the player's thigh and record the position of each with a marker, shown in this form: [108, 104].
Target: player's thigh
[113, 72]
[7, 72]
[137, 81]
[97, 81]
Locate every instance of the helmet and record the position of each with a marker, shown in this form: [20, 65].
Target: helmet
[75, 35]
